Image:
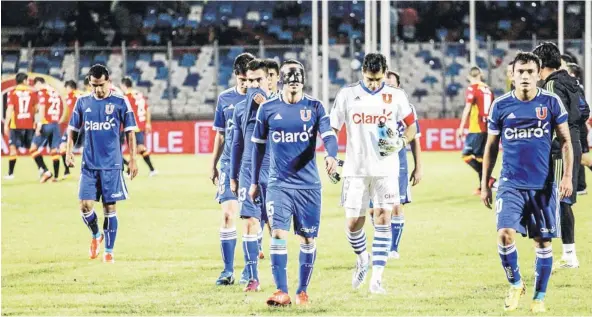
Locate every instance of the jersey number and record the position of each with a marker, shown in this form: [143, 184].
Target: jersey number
[141, 109]
[24, 100]
[486, 101]
[54, 109]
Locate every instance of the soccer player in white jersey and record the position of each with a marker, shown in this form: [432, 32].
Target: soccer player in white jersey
[370, 110]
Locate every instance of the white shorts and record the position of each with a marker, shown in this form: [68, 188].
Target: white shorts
[358, 191]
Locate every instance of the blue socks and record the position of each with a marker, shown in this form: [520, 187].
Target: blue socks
[110, 230]
[90, 219]
[357, 240]
[381, 245]
[509, 257]
[227, 246]
[279, 261]
[543, 266]
[397, 224]
[251, 253]
[308, 254]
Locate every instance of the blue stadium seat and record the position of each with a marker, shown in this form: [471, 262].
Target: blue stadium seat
[435, 63]
[456, 50]
[55, 61]
[149, 22]
[60, 25]
[100, 59]
[165, 93]
[453, 69]
[430, 80]
[419, 93]
[144, 83]
[157, 64]
[452, 90]
[178, 22]
[153, 38]
[285, 36]
[191, 80]
[425, 54]
[162, 73]
[164, 20]
[10, 58]
[225, 8]
[497, 92]
[146, 57]
[191, 24]
[482, 63]
[187, 60]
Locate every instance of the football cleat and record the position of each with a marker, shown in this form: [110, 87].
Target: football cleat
[108, 258]
[582, 192]
[66, 176]
[513, 297]
[279, 298]
[225, 278]
[394, 255]
[302, 298]
[537, 306]
[153, 173]
[9, 177]
[565, 264]
[376, 288]
[360, 273]
[94, 246]
[46, 176]
[252, 286]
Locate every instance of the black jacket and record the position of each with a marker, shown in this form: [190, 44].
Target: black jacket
[568, 90]
[584, 107]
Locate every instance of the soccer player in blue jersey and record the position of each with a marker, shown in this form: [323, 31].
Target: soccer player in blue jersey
[290, 123]
[102, 114]
[240, 159]
[398, 217]
[224, 125]
[526, 202]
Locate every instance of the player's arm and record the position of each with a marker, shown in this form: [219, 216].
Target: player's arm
[237, 149]
[41, 112]
[489, 159]
[560, 117]
[465, 114]
[8, 118]
[130, 127]
[219, 139]
[74, 126]
[329, 139]
[409, 119]
[417, 173]
[259, 137]
[337, 114]
[64, 112]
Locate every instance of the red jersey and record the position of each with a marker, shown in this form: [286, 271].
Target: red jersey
[54, 106]
[71, 101]
[139, 106]
[480, 97]
[24, 100]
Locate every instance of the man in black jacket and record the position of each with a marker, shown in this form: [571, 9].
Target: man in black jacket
[559, 82]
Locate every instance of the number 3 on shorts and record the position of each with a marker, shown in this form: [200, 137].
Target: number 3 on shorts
[242, 194]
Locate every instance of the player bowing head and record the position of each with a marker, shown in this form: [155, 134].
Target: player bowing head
[373, 70]
[240, 71]
[98, 79]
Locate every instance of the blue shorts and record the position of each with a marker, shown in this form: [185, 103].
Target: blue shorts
[21, 138]
[532, 212]
[475, 144]
[248, 208]
[78, 142]
[140, 138]
[50, 135]
[106, 184]
[304, 205]
[224, 194]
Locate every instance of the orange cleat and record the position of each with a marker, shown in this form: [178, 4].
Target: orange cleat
[279, 298]
[302, 298]
[94, 246]
[108, 258]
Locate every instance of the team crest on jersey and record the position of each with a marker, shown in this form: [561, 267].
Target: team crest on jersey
[387, 98]
[109, 108]
[305, 115]
[541, 113]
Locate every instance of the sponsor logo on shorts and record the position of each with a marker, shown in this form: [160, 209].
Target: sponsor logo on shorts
[389, 196]
[312, 229]
[545, 230]
[117, 195]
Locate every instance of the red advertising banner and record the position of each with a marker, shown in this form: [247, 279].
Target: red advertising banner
[190, 137]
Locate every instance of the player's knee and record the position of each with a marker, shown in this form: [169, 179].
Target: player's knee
[398, 210]
[506, 236]
[355, 223]
[141, 148]
[86, 205]
[228, 215]
[278, 234]
[252, 225]
[354, 213]
[381, 214]
[109, 208]
[542, 242]
[307, 240]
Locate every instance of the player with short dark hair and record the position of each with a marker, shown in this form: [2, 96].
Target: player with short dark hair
[393, 78]
[559, 82]
[478, 98]
[370, 111]
[252, 212]
[72, 94]
[526, 202]
[224, 126]
[143, 118]
[51, 109]
[290, 124]
[19, 123]
[102, 115]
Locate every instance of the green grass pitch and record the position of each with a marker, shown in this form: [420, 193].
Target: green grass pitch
[168, 255]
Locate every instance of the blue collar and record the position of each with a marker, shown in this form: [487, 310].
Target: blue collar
[370, 91]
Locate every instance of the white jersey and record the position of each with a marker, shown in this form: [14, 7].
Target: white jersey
[360, 110]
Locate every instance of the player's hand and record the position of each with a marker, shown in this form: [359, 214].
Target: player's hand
[259, 99]
[70, 159]
[330, 165]
[148, 128]
[214, 176]
[565, 187]
[416, 175]
[460, 133]
[254, 192]
[486, 195]
[234, 187]
[133, 168]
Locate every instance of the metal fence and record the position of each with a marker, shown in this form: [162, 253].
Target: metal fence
[182, 83]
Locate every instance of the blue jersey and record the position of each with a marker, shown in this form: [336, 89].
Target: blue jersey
[245, 115]
[102, 121]
[291, 130]
[227, 101]
[526, 129]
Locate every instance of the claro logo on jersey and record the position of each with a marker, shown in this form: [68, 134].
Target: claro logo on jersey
[527, 133]
[366, 118]
[99, 126]
[292, 137]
